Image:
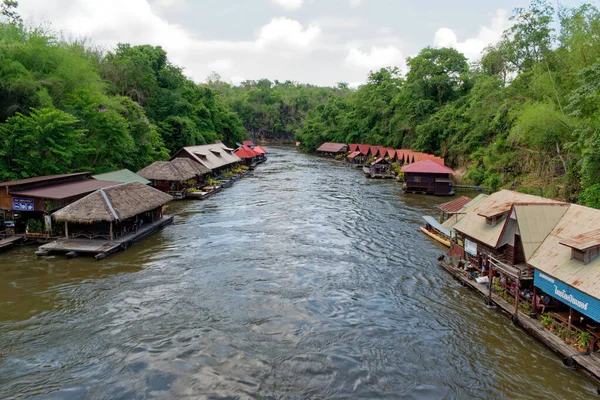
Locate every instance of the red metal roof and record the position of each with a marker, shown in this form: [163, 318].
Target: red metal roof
[333, 148]
[248, 143]
[455, 205]
[364, 149]
[40, 179]
[245, 152]
[354, 154]
[427, 166]
[65, 190]
[353, 147]
[259, 150]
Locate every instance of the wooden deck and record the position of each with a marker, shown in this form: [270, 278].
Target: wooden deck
[100, 248]
[587, 363]
[10, 241]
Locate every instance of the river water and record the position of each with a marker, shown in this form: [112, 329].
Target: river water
[304, 281]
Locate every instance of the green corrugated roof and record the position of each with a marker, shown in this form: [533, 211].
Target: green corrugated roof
[122, 175]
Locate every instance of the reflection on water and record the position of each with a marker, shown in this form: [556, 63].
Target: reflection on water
[304, 281]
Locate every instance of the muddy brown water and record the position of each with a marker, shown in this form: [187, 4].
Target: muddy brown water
[304, 281]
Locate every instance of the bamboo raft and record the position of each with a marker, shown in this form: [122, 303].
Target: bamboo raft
[586, 363]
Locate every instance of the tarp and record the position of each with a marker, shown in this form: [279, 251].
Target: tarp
[434, 223]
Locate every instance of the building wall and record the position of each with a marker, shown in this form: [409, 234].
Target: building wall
[425, 182]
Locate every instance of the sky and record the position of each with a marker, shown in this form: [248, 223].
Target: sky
[321, 42]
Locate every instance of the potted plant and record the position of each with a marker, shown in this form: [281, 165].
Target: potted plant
[583, 343]
[546, 320]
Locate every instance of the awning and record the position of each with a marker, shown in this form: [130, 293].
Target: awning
[435, 224]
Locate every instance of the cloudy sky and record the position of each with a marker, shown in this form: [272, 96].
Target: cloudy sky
[315, 41]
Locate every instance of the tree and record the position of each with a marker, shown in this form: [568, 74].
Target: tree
[45, 142]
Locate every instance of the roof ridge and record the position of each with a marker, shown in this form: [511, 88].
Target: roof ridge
[108, 203]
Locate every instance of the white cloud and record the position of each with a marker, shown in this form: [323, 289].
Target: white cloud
[222, 64]
[284, 32]
[375, 58]
[355, 3]
[290, 5]
[472, 47]
[237, 79]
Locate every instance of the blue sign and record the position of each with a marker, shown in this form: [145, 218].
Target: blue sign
[23, 204]
[568, 295]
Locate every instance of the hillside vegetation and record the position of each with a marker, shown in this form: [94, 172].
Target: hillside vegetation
[526, 116]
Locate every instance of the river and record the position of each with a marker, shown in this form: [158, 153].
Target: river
[304, 281]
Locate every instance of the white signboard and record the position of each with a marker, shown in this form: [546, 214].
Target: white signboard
[470, 247]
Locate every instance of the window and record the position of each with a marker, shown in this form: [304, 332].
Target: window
[417, 179]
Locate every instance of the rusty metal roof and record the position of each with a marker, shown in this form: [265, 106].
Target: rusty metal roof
[584, 241]
[41, 179]
[474, 222]
[455, 205]
[65, 190]
[554, 258]
[333, 148]
[502, 201]
[535, 222]
[469, 207]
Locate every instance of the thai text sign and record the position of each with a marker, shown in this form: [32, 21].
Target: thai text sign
[568, 295]
[23, 204]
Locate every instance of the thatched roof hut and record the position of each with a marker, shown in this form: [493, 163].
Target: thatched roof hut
[177, 170]
[114, 203]
[187, 166]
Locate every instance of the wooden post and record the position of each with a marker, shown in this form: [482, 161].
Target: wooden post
[490, 277]
[570, 317]
[533, 301]
[67, 229]
[517, 297]
[111, 231]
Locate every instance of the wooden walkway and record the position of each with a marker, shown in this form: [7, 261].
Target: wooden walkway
[9, 242]
[100, 248]
[587, 363]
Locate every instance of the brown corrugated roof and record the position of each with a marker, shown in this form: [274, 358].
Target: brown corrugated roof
[583, 241]
[40, 179]
[65, 190]
[333, 148]
[455, 205]
[474, 222]
[554, 259]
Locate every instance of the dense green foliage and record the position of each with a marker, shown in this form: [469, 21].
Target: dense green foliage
[67, 107]
[527, 116]
[274, 111]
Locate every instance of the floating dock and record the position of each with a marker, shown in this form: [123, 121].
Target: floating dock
[588, 363]
[100, 248]
[9, 242]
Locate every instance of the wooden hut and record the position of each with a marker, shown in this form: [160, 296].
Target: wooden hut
[248, 156]
[427, 176]
[35, 198]
[216, 157]
[176, 176]
[262, 153]
[110, 219]
[381, 168]
[332, 149]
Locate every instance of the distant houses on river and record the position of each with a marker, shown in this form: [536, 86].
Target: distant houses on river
[81, 213]
[421, 172]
